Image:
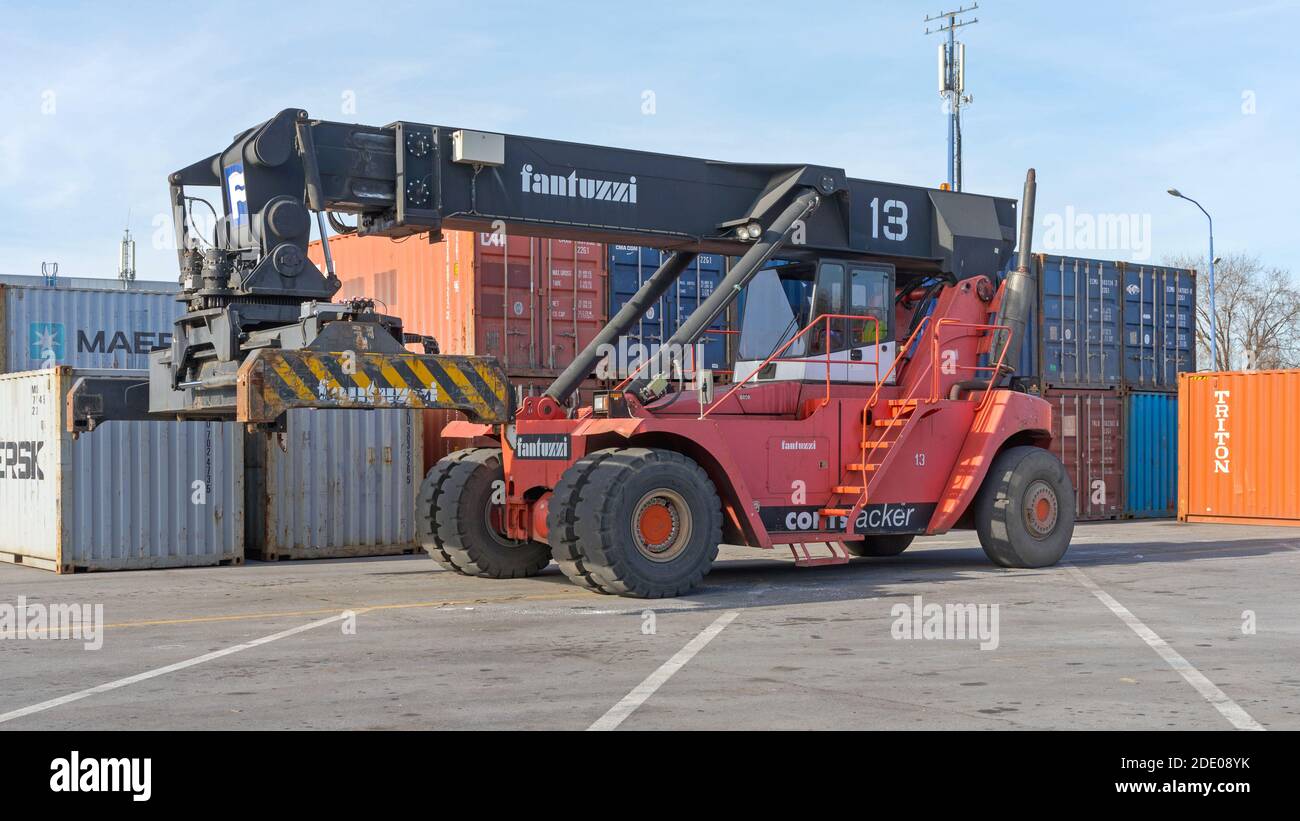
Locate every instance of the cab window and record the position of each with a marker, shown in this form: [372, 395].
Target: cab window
[871, 294]
[853, 290]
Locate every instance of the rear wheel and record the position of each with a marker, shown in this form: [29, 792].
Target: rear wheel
[1024, 512]
[461, 505]
[637, 522]
[880, 546]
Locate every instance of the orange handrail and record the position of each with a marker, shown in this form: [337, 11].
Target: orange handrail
[776, 356]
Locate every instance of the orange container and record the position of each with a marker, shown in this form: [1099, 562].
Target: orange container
[531, 303]
[1239, 447]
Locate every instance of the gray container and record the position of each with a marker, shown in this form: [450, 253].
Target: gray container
[337, 483]
[130, 495]
[83, 324]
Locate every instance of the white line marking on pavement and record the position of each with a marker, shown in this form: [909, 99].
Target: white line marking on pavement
[1230, 709]
[619, 712]
[162, 671]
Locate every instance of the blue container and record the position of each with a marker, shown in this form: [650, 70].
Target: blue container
[630, 266]
[1159, 321]
[1151, 454]
[1079, 330]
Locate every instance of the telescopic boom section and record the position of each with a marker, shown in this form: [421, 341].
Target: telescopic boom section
[249, 286]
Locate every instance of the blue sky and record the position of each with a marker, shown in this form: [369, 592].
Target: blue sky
[1112, 102]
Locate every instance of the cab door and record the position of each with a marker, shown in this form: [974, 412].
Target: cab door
[860, 349]
[871, 350]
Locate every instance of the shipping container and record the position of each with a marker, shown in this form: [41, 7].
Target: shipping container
[1086, 437]
[1239, 447]
[83, 326]
[336, 483]
[630, 266]
[532, 303]
[1079, 322]
[1150, 454]
[529, 302]
[130, 495]
[1159, 325]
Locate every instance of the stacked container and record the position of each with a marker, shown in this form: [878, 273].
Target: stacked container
[629, 268]
[338, 483]
[531, 303]
[131, 495]
[1113, 334]
[1150, 453]
[83, 322]
[1086, 427]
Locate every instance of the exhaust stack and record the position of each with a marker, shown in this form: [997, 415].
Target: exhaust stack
[1020, 289]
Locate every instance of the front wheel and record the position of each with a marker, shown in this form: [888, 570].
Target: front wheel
[1024, 512]
[460, 520]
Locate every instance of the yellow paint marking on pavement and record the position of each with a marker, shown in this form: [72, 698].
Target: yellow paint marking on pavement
[580, 594]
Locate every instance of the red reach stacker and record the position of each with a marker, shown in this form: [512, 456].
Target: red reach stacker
[870, 401]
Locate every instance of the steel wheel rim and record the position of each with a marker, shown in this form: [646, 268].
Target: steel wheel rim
[1041, 509]
[661, 525]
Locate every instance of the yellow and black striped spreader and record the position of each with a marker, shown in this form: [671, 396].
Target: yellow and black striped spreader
[274, 381]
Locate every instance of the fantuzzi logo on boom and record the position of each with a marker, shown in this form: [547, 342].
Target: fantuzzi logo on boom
[560, 185]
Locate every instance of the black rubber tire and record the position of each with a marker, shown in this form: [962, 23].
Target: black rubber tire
[599, 515]
[880, 546]
[1001, 509]
[561, 522]
[454, 529]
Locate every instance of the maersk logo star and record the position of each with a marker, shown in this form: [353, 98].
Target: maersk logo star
[45, 341]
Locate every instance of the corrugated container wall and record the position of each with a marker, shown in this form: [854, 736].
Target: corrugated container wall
[1239, 447]
[1086, 437]
[529, 302]
[1150, 454]
[131, 495]
[84, 327]
[630, 266]
[1079, 322]
[532, 303]
[337, 483]
[1159, 325]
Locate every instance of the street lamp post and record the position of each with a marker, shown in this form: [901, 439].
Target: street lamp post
[1214, 336]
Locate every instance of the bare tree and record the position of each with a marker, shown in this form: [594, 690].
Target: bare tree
[1257, 313]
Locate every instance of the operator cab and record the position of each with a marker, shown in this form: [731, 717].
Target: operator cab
[786, 298]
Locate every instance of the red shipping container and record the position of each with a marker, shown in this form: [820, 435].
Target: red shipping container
[532, 303]
[1087, 436]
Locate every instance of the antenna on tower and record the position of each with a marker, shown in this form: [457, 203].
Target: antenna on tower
[126, 254]
[952, 81]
